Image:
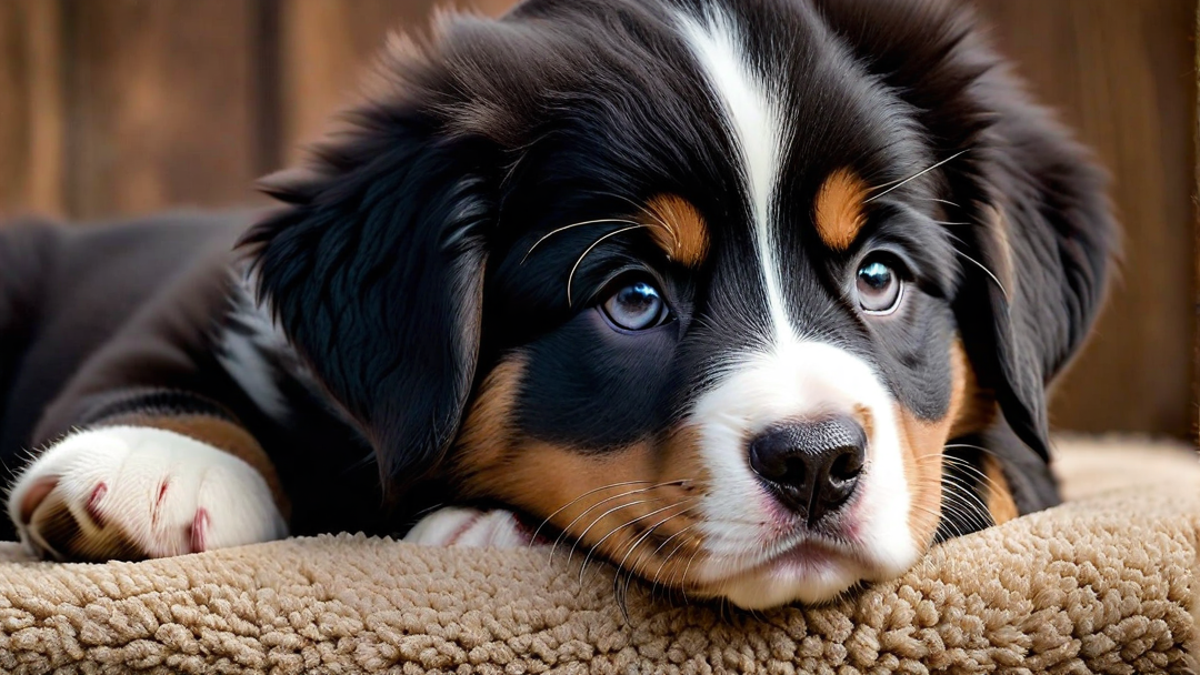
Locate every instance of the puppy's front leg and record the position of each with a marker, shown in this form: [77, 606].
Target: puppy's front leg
[150, 481]
[466, 526]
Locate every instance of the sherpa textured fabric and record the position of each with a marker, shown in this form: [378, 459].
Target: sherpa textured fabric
[1106, 583]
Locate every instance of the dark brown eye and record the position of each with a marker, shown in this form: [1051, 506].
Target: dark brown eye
[637, 306]
[879, 288]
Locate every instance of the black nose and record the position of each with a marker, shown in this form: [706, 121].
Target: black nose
[811, 467]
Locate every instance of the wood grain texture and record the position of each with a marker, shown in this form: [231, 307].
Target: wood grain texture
[31, 107]
[1121, 74]
[160, 105]
[122, 106]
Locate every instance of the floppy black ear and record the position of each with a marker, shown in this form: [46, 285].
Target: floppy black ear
[374, 272]
[1045, 239]
[1045, 231]
[1036, 256]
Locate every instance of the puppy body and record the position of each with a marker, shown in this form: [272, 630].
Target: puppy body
[755, 299]
[142, 323]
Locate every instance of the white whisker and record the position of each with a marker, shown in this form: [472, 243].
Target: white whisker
[915, 176]
[575, 267]
[564, 228]
[613, 531]
[573, 501]
[999, 285]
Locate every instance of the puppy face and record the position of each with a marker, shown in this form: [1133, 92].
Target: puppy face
[708, 287]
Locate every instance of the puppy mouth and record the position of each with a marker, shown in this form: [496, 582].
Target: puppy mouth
[811, 571]
[790, 561]
[801, 551]
[801, 560]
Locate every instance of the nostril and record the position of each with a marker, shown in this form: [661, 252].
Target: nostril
[848, 465]
[797, 472]
[771, 458]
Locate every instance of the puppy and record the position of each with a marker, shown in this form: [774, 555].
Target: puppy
[756, 299]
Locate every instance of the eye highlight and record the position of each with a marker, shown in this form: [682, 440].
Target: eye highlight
[878, 286]
[636, 306]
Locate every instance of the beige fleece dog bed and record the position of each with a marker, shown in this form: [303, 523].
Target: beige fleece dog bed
[1106, 583]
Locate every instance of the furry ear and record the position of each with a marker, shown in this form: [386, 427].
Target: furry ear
[1045, 240]
[375, 273]
[1042, 248]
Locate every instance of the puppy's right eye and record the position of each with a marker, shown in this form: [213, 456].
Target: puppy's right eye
[879, 287]
[637, 306]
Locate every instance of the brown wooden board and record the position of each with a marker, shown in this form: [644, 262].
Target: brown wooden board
[31, 107]
[160, 104]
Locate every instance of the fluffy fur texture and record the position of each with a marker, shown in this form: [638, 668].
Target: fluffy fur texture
[757, 300]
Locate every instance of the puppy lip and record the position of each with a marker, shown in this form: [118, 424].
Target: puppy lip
[815, 571]
[799, 555]
[807, 552]
[806, 555]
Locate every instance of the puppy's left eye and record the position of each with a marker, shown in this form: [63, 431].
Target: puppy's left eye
[879, 287]
[637, 306]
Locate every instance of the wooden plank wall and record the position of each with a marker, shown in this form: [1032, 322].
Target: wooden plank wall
[32, 155]
[114, 107]
[111, 107]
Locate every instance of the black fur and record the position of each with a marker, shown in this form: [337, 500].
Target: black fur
[507, 129]
[401, 270]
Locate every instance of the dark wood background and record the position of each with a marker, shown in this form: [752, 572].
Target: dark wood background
[126, 106]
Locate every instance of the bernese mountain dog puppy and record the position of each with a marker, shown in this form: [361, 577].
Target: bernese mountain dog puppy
[755, 299]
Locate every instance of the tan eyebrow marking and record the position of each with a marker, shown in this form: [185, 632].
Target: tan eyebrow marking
[679, 229]
[839, 208]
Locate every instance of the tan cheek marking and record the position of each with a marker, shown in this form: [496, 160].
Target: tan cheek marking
[978, 408]
[923, 442]
[626, 491]
[221, 434]
[677, 227]
[977, 412]
[624, 504]
[839, 209]
[922, 455]
[1000, 501]
[486, 432]
[865, 419]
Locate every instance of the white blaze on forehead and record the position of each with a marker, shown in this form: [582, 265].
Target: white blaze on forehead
[754, 120]
[791, 378]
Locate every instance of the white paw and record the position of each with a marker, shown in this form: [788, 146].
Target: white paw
[461, 526]
[139, 492]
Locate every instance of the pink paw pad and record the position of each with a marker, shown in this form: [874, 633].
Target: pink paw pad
[162, 493]
[93, 504]
[34, 497]
[199, 530]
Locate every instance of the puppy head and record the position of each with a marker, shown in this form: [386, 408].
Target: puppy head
[709, 287]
